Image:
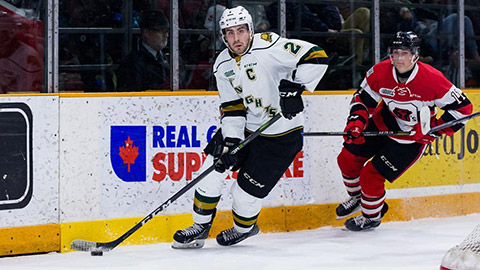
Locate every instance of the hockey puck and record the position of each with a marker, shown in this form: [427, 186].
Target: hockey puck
[96, 253]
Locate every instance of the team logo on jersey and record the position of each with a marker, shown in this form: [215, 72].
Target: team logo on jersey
[405, 91]
[402, 91]
[404, 114]
[266, 36]
[387, 92]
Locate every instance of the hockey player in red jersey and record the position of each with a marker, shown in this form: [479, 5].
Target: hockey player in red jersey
[390, 99]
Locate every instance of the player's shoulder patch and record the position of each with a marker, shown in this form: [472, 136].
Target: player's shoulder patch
[369, 72]
[266, 36]
[262, 41]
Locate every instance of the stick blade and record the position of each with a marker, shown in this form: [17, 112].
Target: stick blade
[82, 245]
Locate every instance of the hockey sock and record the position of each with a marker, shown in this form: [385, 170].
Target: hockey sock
[204, 207]
[373, 191]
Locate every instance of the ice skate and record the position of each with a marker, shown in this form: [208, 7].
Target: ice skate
[362, 223]
[349, 207]
[232, 236]
[191, 237]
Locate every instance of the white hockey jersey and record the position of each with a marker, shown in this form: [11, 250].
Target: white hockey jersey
[248, 84]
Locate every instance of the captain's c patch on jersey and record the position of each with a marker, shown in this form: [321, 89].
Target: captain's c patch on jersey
[251, 74]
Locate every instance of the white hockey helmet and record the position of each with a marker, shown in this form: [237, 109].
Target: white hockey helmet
[233, 17]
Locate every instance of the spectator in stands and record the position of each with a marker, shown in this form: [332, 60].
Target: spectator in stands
[21, 65]
[327, 20]
[450, 26]
[357, 22]
[211, 23]
[394, 19]
[202, 59]
[452, 69]
[146, 67]
[259, 16]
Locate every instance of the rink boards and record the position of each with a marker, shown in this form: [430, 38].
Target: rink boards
[88, 166]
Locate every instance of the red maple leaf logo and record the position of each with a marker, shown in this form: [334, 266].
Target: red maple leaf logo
[128, 153]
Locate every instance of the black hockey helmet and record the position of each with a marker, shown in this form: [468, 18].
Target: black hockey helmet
[405, 41]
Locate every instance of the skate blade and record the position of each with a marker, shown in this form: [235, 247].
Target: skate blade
[363, 230]
[192, 245]
[351, 214]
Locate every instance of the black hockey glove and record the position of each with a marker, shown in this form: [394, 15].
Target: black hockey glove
[291, 102]
[222, 158]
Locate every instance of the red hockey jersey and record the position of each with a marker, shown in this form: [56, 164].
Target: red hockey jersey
[396, 106]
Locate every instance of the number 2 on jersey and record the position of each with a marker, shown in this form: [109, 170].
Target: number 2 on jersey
[292, 48]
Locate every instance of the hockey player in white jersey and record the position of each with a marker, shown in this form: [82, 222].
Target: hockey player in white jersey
[258, 76]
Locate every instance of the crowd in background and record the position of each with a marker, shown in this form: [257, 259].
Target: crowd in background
[91, 61]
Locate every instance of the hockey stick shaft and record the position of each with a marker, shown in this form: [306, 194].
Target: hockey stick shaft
[386, 133]
[454, 122]
[83, 245]
[365, 133]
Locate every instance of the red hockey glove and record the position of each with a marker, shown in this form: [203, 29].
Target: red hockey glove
[419, 137]
[356, 124]
[436, 122]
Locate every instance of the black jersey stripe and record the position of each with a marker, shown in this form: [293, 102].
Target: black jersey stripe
[231, 103]
[233, 108]
[455, 105]
[234, 113]
[366, 98]
[315, 55]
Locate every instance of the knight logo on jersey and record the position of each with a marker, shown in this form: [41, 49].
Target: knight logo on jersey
[128, 152]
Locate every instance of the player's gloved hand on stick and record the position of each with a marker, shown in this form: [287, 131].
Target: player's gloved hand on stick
[291, 102]
[419, 137]
[356, 124]
[436, 122]
[222, 158]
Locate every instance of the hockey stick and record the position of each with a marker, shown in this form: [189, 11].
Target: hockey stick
[83, 245]
[454, 122]
[365, 133]
[386, 133]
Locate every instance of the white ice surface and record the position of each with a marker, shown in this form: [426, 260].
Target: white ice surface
[412, 245]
